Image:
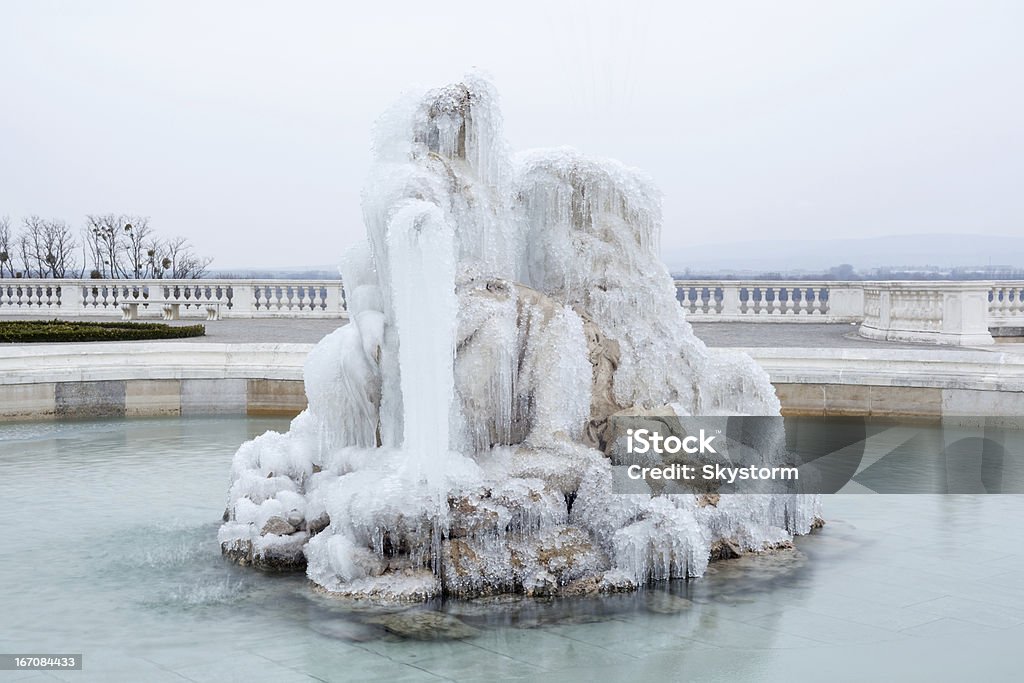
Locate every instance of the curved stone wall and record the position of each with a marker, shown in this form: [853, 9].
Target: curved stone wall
[53, 381]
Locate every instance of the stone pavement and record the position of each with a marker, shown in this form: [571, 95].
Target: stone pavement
[725, 334]
[796, 335]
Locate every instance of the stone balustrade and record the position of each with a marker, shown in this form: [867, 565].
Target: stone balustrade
[173, 298]
[933, 311]
[1006, 305]
[943, 312]
[771, 301]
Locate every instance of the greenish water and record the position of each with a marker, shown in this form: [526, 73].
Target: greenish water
[110, 551]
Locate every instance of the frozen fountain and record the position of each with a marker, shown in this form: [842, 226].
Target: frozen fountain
[503, 310]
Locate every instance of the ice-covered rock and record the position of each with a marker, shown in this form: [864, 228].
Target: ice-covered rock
[503, 309]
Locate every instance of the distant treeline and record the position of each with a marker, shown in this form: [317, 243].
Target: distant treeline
[846, 273]
[107, 246]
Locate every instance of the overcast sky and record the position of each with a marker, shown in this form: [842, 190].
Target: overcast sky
[245, 126]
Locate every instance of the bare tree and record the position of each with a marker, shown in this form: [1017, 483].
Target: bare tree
[179, 261]
[121, 246]
[140, 245]
[47, 248]
[6, 248]
[104, 239]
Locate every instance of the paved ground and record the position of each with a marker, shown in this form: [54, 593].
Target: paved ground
[802, 335]
[795, 335]
[822, 336]
[267, 330]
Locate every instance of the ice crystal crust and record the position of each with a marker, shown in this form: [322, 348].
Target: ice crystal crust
[502, 310]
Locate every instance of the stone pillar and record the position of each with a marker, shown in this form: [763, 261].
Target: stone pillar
[845, 302]
[71, 303]
[885, 310]
[730, 299]
[242, 297]
[965, 314]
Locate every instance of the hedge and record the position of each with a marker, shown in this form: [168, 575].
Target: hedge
[21, 331]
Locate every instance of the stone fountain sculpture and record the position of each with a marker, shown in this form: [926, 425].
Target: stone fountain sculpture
[502, 310]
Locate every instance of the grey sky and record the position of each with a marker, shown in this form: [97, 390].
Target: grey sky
[245, 126]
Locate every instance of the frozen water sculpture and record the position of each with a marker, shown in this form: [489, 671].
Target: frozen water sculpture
[502, 310]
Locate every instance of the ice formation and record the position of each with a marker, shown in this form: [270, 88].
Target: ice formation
[501, 311]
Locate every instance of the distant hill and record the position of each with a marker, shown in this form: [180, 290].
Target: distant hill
[910, 251]
[760, 256]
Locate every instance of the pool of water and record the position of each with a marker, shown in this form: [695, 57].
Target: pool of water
[109, 537]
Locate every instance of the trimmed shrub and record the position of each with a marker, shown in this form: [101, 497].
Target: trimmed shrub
[22, 331]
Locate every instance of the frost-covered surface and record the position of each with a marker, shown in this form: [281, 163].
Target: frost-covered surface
[501, 311]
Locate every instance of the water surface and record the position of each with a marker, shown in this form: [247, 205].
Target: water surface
[110, 551]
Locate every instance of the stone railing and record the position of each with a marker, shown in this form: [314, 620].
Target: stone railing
[933, 311]
[769, 301]
[1006, 304]
[925, 311]
[173, 298]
